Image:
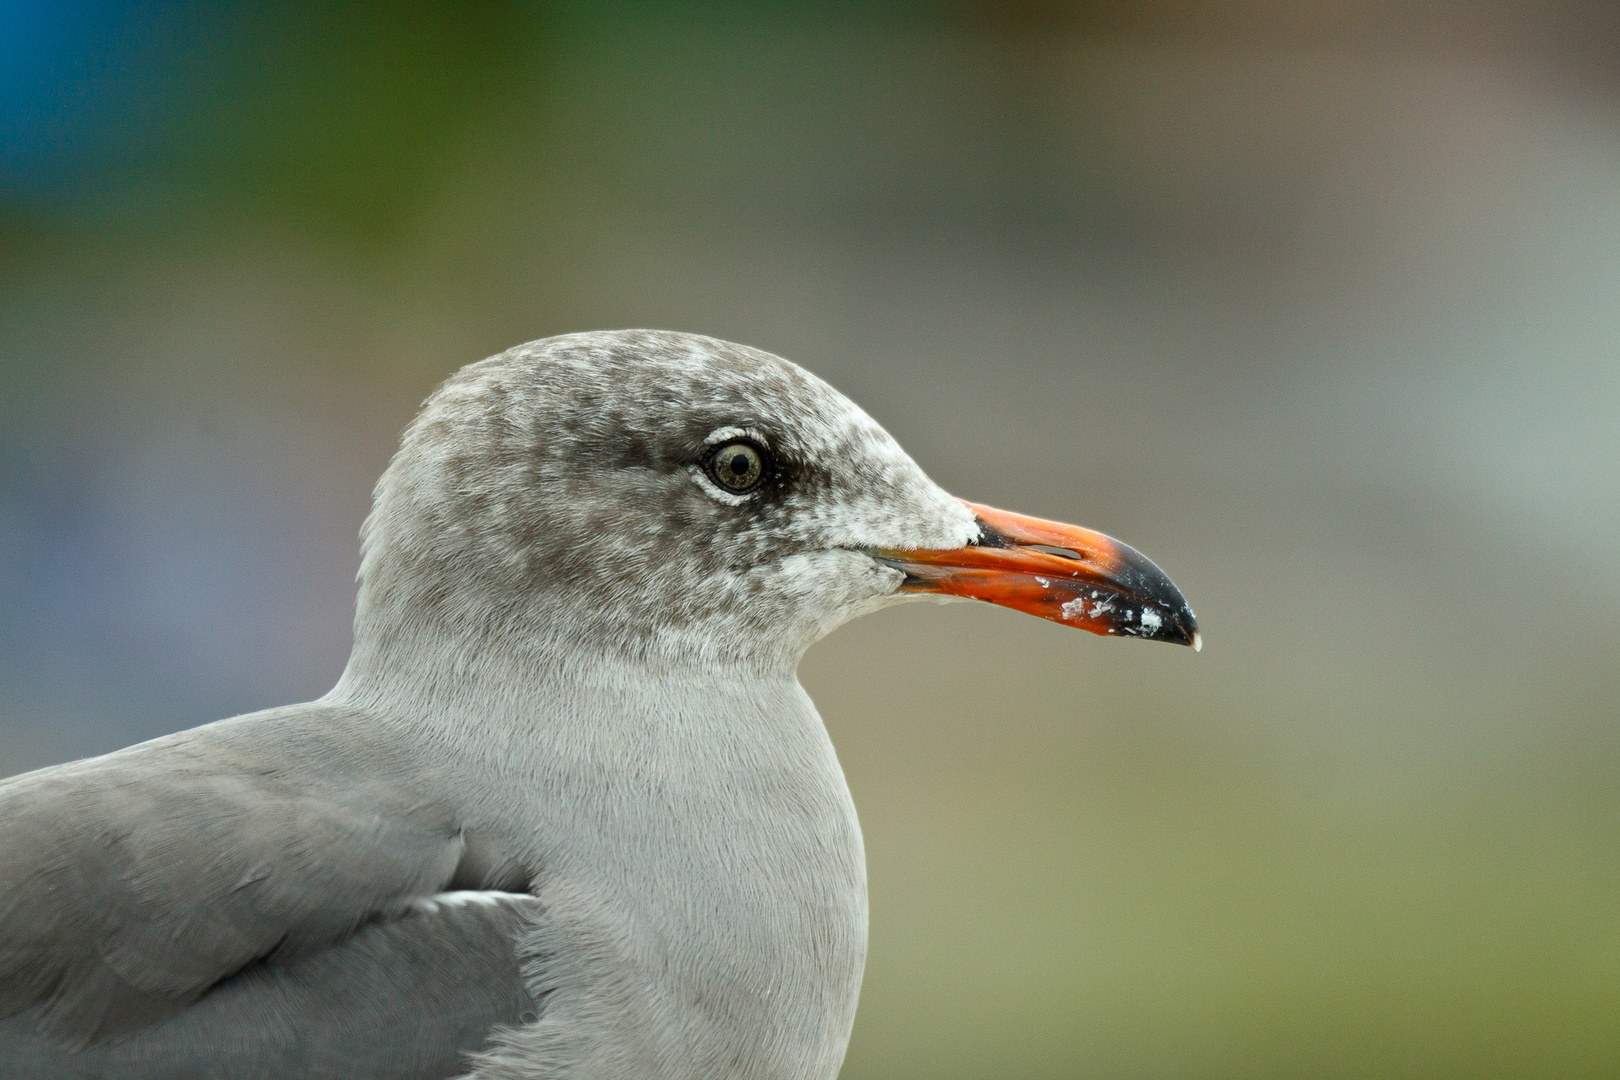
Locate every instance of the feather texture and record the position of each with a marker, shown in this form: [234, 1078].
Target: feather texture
[403, 998]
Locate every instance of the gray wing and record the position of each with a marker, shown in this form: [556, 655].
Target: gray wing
[402, 999]
[133, 884]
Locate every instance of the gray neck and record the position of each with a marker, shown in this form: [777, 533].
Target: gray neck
[478, 658]
[685, 820]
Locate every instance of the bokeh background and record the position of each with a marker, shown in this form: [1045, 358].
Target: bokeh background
[1316, 303]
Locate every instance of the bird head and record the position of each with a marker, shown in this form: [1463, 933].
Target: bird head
[674, 498]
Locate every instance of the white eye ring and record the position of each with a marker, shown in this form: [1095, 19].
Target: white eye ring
[718, 439]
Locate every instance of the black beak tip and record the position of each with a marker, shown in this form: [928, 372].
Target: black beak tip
[1165, 614]
[1173, 622]
[1182, 629]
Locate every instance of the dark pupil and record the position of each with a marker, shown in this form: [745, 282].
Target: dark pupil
[739, 464]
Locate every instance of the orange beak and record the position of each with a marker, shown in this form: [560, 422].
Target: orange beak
[1060, 572]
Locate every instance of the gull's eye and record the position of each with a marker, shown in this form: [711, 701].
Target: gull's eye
[737, 467]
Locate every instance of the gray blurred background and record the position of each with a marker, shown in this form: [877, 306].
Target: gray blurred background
[1317, 304]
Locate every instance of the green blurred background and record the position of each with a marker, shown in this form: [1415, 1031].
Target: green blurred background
[1316, 303]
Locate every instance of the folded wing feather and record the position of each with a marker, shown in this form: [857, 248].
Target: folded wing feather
[134, 884]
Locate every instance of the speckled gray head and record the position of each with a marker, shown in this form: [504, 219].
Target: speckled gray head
[671, 497]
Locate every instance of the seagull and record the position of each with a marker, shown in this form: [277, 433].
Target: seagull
[567, 811]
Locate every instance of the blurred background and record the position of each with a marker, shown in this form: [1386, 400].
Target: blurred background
[1318, 304]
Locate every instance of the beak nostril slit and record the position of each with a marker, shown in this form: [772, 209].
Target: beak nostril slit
[1060, 552]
